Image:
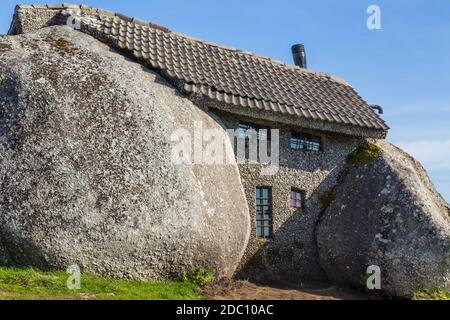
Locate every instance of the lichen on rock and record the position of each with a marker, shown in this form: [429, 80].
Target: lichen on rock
[61, 45]
[86, 171]
[387, 214]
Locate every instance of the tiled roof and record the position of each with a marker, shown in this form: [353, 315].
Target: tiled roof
[236, 77]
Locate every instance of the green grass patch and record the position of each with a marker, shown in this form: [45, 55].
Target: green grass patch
[199, 277]
[33, 284]
[432, 294]
[364, 155]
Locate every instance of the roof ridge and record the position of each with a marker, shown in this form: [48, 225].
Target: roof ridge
[139, 21]
[98, 11]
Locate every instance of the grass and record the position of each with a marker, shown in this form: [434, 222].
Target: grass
[432, 294]
[34, 284]
[199, 277]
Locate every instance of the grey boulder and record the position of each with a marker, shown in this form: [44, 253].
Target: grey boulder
[387, 214]
[86, 174]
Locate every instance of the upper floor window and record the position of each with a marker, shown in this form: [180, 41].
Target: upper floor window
[263, 212]
[249, 131]
[304, 141]
[246, 129]
[297, 198]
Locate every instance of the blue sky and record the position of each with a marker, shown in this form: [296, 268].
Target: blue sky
[404, 67]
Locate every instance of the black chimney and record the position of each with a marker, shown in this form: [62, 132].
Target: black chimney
[378, 108]
[298, 52]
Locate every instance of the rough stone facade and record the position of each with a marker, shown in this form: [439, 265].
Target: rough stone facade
[30, 20]
[291, 254]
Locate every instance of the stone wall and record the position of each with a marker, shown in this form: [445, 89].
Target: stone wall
[291, 255]
[34, 17]
[27, 20]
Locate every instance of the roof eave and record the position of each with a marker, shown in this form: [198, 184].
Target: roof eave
[300, 122]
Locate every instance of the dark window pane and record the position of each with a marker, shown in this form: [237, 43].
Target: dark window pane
[303, 141]
[296, 143]
[250, 130]
[259, 232]
[263, 212]
[244, 130]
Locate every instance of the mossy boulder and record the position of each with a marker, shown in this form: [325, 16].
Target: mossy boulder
[86, 171]
[388, 214]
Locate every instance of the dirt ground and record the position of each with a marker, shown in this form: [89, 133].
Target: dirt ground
[245, 290]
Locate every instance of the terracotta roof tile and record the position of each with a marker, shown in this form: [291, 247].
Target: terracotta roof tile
[237, 77]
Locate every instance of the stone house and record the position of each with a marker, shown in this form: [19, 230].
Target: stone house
[321, 119]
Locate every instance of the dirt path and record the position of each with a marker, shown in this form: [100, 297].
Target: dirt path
[243, 290]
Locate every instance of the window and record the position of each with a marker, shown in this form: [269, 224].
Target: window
[296, 198]
[262, 134]
[247, 129]
[307, 142]
[264, 212]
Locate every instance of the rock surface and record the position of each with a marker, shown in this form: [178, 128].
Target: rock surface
[387, 214]
[86, 174]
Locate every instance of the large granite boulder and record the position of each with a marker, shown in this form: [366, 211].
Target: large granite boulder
[386, 214]
[86, 170]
